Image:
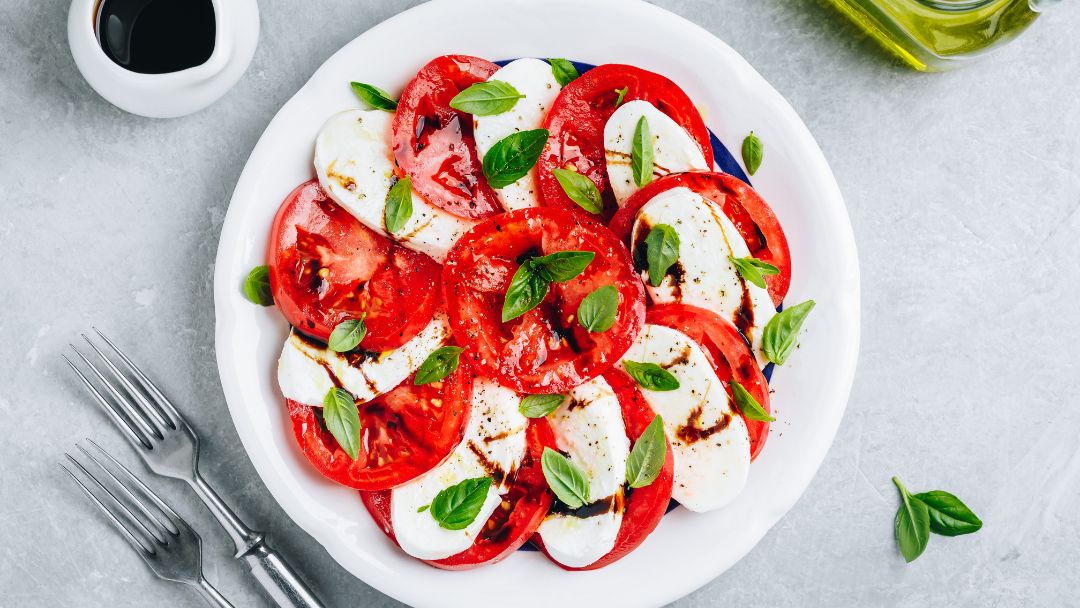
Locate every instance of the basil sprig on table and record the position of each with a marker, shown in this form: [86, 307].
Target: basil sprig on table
[513, 156]
[374, 96]
[651, 376]
[563, 71]
[538, 406]
[456, 507]
[661, 251]
[752, 153]
[936, 511]
[781, 332]
[438, 365]
[398, 208]
[533, 279]
[343, 420]
[257, 286]
[647, 458]
[347, 335]
[487, 98]
[641, 153]
[598, 310]
[580, 189]
[753, 269]
[748, 406]
[621, 95]
[565, 479]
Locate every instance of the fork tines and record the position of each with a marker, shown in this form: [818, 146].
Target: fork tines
[145, 521]
[140, 410]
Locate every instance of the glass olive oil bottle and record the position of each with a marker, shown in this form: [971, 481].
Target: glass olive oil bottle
[934, 35]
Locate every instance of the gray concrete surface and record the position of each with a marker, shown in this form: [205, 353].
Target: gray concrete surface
[964, 191]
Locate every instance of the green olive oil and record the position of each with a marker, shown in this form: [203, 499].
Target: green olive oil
[933, 35]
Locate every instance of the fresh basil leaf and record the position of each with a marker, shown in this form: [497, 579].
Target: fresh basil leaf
[563, 71]
[753, 269]
[622, 95]
[565, 479]
[257, 286]
[423, 508]
[538, 406]
[598, 310]
[641, 153]
[647, 458]
[912, 524]
[457, 506]
[580, 189]
[651, 376]
[487, 98]
[750, 408]
[343, 420]
[661, 251]
[531, 282]
[780, 334]
[948, 515]
[563, 265]
[398, 205]
[752, 152]
[438, 365]
[513, 156]
[527, 289]
[348, 334]
[374, 97]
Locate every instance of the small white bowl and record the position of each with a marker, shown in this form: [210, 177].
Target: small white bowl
[176, 93]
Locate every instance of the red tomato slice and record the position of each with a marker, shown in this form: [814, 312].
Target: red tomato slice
[545, 350]
[727, 350]
[325, 267]
[523, 508]
[643, 507]
[752, 216]
[405, 433]
[434, 143]
[577, 118]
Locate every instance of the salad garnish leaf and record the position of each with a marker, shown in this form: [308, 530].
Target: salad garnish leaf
[780, 334]
[647, 458]
[343, 420]
[374, 97]
[565, 479]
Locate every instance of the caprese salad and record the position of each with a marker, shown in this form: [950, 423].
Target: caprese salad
[527, 306]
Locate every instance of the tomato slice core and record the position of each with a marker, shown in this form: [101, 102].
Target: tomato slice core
[728, 352]
[513, 522]
[325, 267]
[576, 124]
[405, 433]
[750, 214]
[546, 349]
[433, 143]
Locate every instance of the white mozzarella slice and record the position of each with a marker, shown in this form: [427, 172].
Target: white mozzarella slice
[494, 444]
[704, 275]
[674, 151]
[709, 439]
[355, 165]
[588, 426]
[306, 371]
[533, 79]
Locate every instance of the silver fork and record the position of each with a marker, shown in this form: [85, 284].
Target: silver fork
[168, 445]
[164, 540]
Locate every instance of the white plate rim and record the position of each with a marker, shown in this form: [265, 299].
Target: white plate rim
[377, 562]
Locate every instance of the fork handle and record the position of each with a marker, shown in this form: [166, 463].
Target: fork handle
[275, 576]
[278, 579]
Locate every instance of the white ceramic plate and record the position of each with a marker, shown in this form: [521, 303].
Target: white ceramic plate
[687, 550]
